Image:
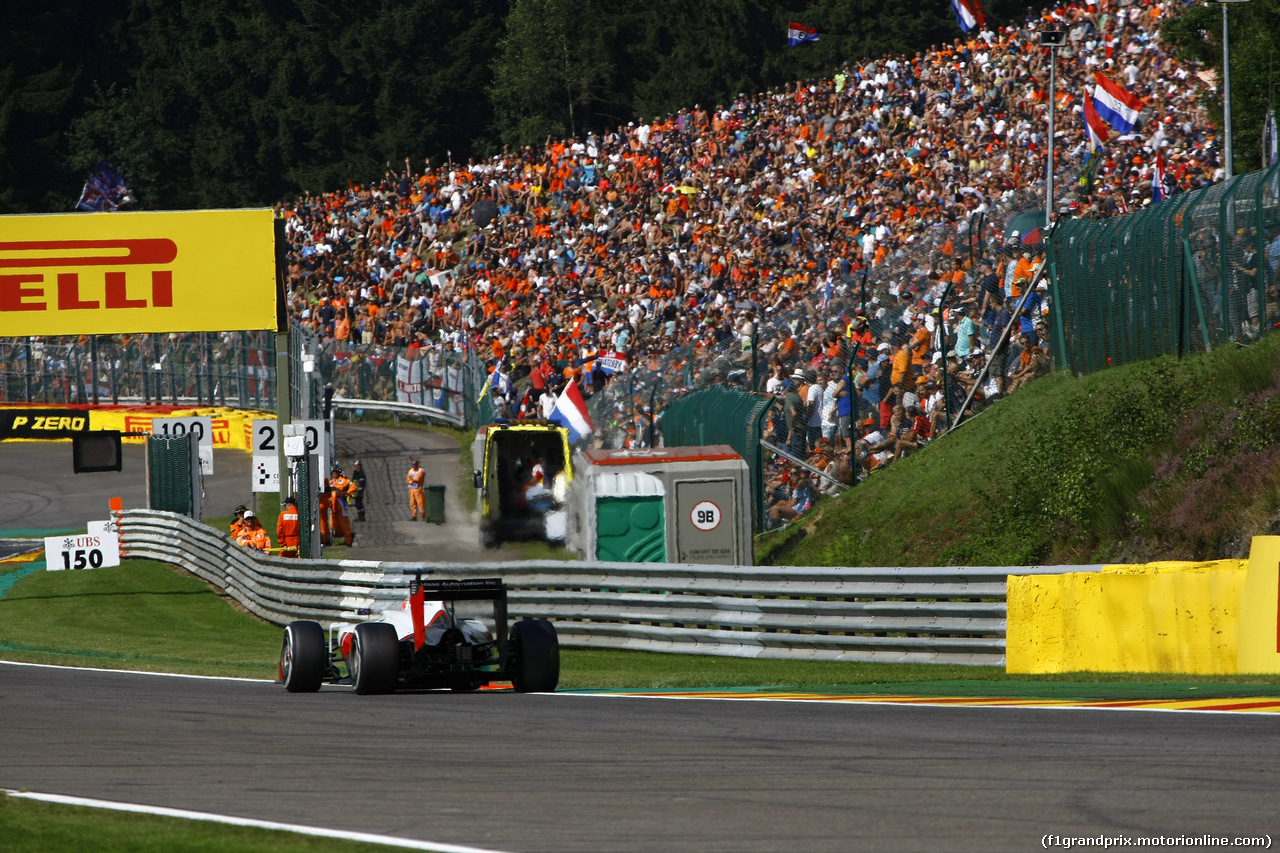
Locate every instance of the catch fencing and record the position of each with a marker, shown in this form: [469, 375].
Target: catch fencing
[238, 369]
[234, 369]
[1191, 273]
[900, 615]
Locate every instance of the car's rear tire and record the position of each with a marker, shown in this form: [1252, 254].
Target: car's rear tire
[375, 658]
[535, 656]
[303, 657]
[488, 536]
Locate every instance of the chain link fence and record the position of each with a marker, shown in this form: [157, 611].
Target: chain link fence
[1194, 272]
[234, 369]
[435, 376]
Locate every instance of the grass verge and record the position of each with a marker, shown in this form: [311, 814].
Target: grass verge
[1164, 459]
[139, 615]
[600, 669]
[36, 827]
[146, 615]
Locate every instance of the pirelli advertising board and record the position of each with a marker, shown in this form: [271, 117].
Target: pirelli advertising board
[107, 273]
[42, 423]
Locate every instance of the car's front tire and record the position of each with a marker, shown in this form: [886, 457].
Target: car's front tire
[375, 658]
[303, 657]
[535, 656]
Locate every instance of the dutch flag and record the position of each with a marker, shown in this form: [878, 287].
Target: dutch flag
[1115, 106]
[571, 413]
[969, 13]
[1094, 126]
[799, 34]
[1159, 186]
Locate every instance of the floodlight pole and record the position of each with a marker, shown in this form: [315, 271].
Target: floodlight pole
[1226, 94]
[1051, 39]
[1048, 193]
[1228, 166]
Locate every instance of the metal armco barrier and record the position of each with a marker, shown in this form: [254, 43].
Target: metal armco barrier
[348, 404]
[898, 615]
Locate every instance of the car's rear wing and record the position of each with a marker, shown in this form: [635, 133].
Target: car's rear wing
[478, 589]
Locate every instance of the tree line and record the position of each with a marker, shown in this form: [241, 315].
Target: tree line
[215, 103]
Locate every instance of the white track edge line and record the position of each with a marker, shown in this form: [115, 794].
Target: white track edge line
[161, 811]
[139, 672]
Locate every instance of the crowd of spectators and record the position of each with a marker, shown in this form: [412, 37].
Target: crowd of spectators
[810, 231]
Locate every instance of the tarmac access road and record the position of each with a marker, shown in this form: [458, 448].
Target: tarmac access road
[40, 492]
[568, 773]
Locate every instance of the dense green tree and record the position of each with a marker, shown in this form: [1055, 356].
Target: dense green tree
[1255, 42]
[549, 69]
[243, 103]
[47, 68]
[222, 103]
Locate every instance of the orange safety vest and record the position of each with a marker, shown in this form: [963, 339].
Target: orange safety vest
[288, 532]
[256, 538]
[342, 487]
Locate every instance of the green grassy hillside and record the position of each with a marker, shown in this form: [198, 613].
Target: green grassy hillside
[1165, 459]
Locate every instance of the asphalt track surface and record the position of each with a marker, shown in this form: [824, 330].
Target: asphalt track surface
[589, 773]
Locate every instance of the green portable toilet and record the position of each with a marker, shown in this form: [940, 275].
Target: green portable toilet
[624, 518]
[706, 504]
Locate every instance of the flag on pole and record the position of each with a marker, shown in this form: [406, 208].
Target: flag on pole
[1095, 128]
[799, 34]
[969, 14]
[1159, 187]
[1114, 105]
[1092, 159]
[105, 190]
[571, 413]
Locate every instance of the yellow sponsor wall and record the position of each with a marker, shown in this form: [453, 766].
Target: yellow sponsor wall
[232, 428]
[108, 273]
[1209, 618]
[1260, 609]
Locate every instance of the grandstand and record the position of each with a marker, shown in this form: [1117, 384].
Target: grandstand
[803, 236]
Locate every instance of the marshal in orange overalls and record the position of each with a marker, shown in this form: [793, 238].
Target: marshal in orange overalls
[416, 479]
[340, 490]
[288, 531]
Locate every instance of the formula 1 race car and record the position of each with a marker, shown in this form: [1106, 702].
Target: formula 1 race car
[424, 645]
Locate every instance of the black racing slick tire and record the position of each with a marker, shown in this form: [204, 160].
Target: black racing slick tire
[303, 657]
[535, 656]
[375, 658]
[488, 537]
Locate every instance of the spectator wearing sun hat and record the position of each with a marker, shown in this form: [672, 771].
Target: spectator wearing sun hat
[252, 535]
